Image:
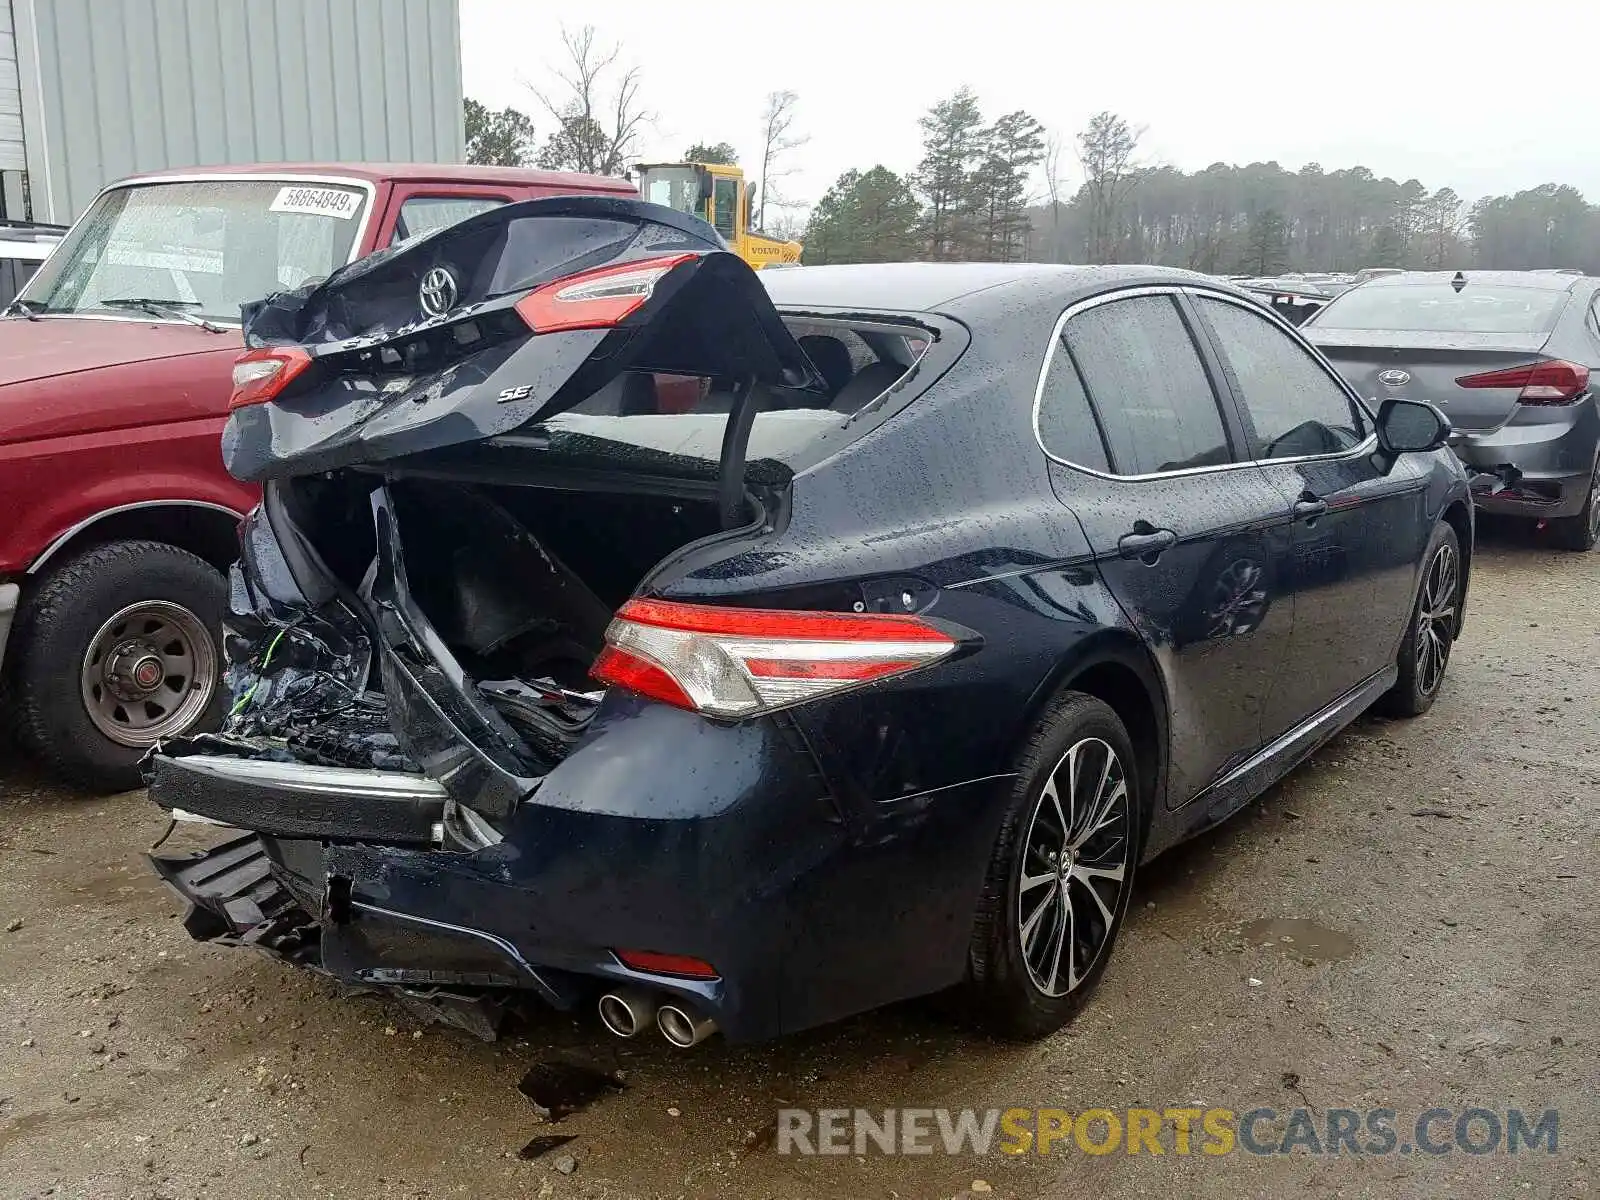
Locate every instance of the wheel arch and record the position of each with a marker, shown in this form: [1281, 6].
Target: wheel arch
[1459, 517]
[202, 527]
[1115, 667]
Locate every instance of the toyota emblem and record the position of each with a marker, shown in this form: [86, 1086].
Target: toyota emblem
[438, 292]
[1394, 378]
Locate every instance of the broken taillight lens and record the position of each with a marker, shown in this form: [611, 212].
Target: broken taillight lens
[1553, 382]
[736, 662]
[260, 375]
[595, 299]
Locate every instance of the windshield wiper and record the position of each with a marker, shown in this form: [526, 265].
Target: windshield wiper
[164, 308]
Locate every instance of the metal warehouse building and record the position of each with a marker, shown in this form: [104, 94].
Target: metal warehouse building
[92, 90]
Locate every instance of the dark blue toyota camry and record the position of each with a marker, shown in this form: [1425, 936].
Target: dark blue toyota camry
[731, 652]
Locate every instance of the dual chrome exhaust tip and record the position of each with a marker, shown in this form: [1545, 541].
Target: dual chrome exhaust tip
[628, 1012]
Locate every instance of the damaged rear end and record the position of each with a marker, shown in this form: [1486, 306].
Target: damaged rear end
[474, 451]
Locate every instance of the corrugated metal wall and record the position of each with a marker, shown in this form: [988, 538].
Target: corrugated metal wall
[115, 87]
[10, 96]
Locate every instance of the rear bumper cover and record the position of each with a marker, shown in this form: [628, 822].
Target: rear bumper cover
[1555, 462]
[732, 858]
[296, 800]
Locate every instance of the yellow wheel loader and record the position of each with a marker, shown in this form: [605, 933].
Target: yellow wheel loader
[717, 193]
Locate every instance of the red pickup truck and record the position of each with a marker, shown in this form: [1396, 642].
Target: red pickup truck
[115, 371]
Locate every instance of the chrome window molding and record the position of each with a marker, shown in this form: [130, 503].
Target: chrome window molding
[1366, 447]
[366, 186]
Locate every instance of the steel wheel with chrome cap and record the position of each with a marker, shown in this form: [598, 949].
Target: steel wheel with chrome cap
[116, 649]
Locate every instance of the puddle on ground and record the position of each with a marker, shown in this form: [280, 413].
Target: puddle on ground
[1301, 939]
[540, 1146]
[558, 1088]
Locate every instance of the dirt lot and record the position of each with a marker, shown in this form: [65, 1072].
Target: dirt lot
[134, 1063]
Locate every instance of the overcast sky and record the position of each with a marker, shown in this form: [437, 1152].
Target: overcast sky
[1483, 99]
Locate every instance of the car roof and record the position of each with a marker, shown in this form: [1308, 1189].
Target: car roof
[927, 287]
[1525, 279]
[405, 173]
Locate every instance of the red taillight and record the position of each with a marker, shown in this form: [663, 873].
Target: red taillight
[260, 375]
[734, 662]
[1553, 382]
[667, 964]
[595, 299]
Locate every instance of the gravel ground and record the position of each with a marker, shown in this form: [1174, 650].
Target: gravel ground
[1445, 959]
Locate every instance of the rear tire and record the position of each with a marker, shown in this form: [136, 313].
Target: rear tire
[1580, 532]
[1435, 618]
[149, 615]
[1054, 900]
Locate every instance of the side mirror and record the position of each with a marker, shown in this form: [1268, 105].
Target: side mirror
[1410, 426]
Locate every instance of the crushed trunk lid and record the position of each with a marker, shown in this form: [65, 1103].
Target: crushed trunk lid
[496, 323]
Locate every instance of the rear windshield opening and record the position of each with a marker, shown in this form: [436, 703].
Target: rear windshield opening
[685, 415]
[1436, 307]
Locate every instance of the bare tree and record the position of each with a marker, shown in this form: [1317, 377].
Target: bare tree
[1444, 225]
[1053, 149]
[598, 121]
[789, 226]
[777, 119]
[1106, 151]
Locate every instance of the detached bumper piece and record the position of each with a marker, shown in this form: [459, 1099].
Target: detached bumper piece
[456, 976]
[233, 899]
[297, 800]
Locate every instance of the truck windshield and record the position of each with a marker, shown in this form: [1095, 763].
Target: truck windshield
[204, 246]
[675, 187]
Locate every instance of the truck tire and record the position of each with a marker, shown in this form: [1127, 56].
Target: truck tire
[117, 648]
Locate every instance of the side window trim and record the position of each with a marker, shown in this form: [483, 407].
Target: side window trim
[1234, 418]
[1221, 395]
[1365, 447]
[1061, 347]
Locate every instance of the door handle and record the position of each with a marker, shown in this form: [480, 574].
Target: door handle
[1146, 543]
[1308, 508]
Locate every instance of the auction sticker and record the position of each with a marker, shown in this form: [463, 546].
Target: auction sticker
[317, 201]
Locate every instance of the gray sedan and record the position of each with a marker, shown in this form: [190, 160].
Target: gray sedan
[1506, 355]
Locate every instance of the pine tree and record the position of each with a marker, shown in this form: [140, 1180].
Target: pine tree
[497, 139]
[1013, 146]
[864, 217]
[952, 144]
[711, 152]
[1266, 243]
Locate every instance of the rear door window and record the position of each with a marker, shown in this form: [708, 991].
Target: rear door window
[1292, 404]
[1148, 386]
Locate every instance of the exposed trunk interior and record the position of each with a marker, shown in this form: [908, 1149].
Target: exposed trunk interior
[518, 582]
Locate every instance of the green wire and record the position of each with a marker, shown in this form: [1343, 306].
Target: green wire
[245, 699]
